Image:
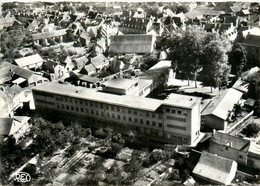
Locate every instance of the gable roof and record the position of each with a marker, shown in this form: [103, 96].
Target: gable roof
[88, 69]
[139, 43]
[28, 60]
[222, 103]
[233, 142]
[215, 168]
[5, 126]
[99, 61]
[81, 61]
[46, 35]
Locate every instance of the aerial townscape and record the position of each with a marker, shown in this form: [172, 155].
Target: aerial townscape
[130, 93]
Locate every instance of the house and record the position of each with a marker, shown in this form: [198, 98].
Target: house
[130, 25]
[140, 13]
[89, 81]
[15, 126]
[53, 69]
[99, 62]
[21, 76]
[252, 45]
[49, 37]
[84, 39]
[243, 151]
[88, 69]
[218, 111]
[30, 62]
[33, 26]
[80, 62]
[11, 99]
[6, 22]
[68, 65]
[136, 43]
[215, 169]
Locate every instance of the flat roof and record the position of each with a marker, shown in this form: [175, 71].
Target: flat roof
[136, 102]
[182, 101]
[120, 83]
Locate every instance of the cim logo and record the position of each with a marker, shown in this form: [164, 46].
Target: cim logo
[22, 177]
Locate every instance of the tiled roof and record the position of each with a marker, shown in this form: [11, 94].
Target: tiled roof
[215, 168]
[29, 60]
[234, 142]
[222, 103]
[46, 35]
[132, 43]
[99, 61]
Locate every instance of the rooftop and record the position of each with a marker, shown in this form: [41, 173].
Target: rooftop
[222, 103]
[215, 168]
[120, 83]
[181, 101]
[234, 142]
[46, 35]
[136, 102]
[28, 60]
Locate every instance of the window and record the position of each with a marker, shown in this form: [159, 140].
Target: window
[97, 113]
[176, 127]
[153, 115]
[87, 111]
[86, 103]
[136, 120]
[108, 115]
[113, 116]
[91, 104]
[176, 118]
[66, 99]
[62, 106]
[135, 112]
[71, 100]
[160, 124]
[124, 118]
[67, 106]
[107, 107]
[76, 101]
[102, 113]
[58, 105]
[80, 102]
[147, 114]
[130, 119]
[118, 117]
[159, 116]
[81, 109]
[118, 109]
[173, 111]
[72, 108]
[179, 112]
[129, 111]
[112, 108]
[154, 124]
[77, 109]
[147, 122]
[167, 110]
[96, 104]
[141, 121]
[101, 105]
[92, 111]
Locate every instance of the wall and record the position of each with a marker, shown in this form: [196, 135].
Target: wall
[213, 122]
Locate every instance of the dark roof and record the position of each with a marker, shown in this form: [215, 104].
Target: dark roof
[252, 40]
[18, 70]
[233, 142]
[231, 19]
[132, 43]
[209, 26]
[87, 69]
[99, 61]
[140, 23]
[5, 126]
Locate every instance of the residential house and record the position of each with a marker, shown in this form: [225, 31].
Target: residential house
[136, 43]
[30, 62]
[130, 25]
[88, 69]
[84, 39]
[243, 151]
[6, 22]
[80, 62]
[215, 169]
[219, 110]
[53, 69]
[252, 45]
[15, 126]
[99, 62]
[68, 65]
[11, 99]
[49, 37]
[140, 13]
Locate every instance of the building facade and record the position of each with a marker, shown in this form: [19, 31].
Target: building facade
[174, 120]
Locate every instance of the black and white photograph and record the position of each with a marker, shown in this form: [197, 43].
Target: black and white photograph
[138, 93]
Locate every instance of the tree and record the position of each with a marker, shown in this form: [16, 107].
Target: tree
[186, 48]
[238, 59]
[215, 60]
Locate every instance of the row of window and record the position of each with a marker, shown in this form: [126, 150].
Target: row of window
[173, 111]
[46, 102]
[176, 127]
[105, 106]
[113, 116]
[176, 118]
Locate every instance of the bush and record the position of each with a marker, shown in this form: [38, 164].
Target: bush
[251, 130]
